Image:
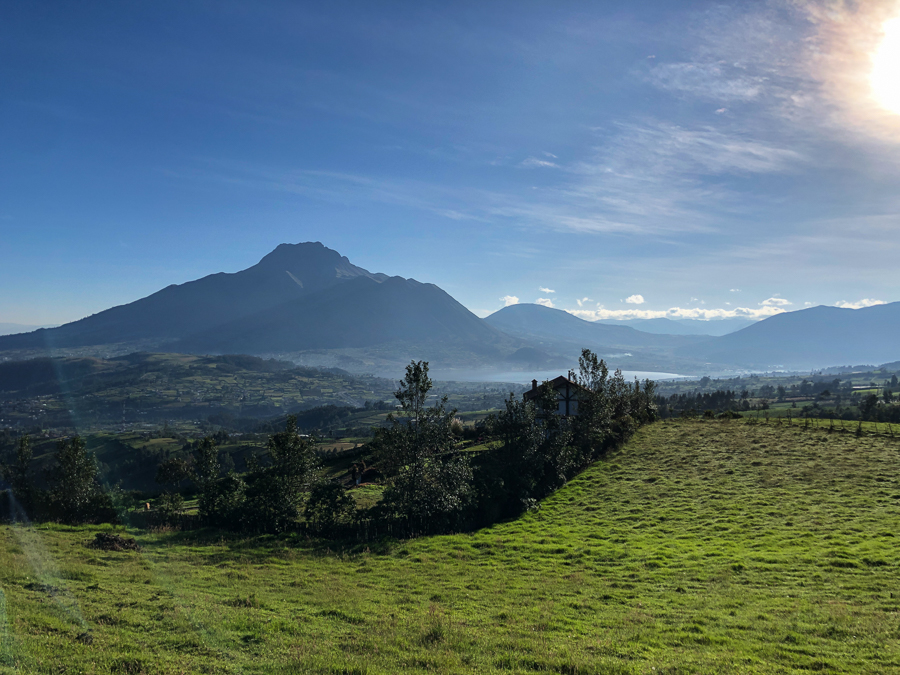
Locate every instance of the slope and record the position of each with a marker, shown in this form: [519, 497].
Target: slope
[360, 313]
[665, 326]
[537, 321]
[809, 338]
[716, 547]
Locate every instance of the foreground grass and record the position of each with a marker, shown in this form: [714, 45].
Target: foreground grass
[700, 547]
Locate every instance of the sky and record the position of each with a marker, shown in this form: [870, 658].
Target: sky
[614, 159]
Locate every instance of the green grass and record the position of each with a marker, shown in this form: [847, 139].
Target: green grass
[701, 547]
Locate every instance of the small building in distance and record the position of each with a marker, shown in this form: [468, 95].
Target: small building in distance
[566, 392]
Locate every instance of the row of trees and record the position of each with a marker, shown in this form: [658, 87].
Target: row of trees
[71, 491]
[431, 483]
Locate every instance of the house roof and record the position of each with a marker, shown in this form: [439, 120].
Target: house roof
[556, 383]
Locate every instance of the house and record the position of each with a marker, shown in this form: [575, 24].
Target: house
[566, 392]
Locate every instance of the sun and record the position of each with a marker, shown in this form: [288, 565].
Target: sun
[885, 77]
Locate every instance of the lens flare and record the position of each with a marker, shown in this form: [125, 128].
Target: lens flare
[885, 77]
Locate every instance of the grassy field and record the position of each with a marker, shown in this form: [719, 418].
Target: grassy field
[701, 547]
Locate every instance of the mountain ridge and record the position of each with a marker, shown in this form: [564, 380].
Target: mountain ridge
[815, 337]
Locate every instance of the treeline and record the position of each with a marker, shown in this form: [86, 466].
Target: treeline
[431, 484]
[718, 401]
[70, 492]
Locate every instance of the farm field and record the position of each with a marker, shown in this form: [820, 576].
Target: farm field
[701, 546]
[140, 393]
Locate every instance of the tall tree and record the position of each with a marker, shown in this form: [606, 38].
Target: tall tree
[276, 493]
[430, 487]
[20, 478]
[592, 426]
[75, 491]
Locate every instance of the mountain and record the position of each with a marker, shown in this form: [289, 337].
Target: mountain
[359, 313]
[304, 300]
[536, 321]
[15, 328]
[289, 272]
[808, 338]
[665, 326]
[561, 334]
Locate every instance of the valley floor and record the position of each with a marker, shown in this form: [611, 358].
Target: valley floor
[701, 547]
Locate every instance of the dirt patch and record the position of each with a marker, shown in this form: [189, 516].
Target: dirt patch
[113, 542]
[42, 588]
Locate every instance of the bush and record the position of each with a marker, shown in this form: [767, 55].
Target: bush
[329, 506]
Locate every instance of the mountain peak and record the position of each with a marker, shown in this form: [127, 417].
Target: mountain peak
[303, 251]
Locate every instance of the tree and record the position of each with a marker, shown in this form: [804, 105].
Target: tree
[328, 506]
[276, 492]
[18, 475]
[595, 406]
[867, 407]
[75, 492]
[172, 471]
[204, 472]
[429, 488]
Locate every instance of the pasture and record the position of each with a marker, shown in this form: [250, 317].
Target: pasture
[701, 546]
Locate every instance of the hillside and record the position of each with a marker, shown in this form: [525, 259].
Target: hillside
[698, 548]
[360, 313]
[139, 389]
[665, 326]
[817, 337]
[560, 333]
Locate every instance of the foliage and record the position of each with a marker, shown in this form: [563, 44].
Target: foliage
[170, 504]
[328, 508]
[276, 492]
[697, 547]
[609, 409]
[21, 481]
[430, 488]
[534, 454]
[74, 491]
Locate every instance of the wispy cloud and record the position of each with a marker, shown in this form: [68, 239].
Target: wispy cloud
[717, 81]
[508, 300]
[775, 301]
[546, 302]
[534, 162]
[676, 313]
[546, 290]
[583, 300]
[635, 299]
[859, 304]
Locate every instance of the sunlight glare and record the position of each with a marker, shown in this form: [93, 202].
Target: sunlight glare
[886, 68]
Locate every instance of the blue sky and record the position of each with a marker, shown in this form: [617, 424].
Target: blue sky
[614, 159]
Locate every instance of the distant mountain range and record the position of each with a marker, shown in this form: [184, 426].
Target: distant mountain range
[556, 331]
[808, 338]
[311, 305]
[665, 326]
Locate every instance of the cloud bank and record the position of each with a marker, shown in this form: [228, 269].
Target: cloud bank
[859, 304]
